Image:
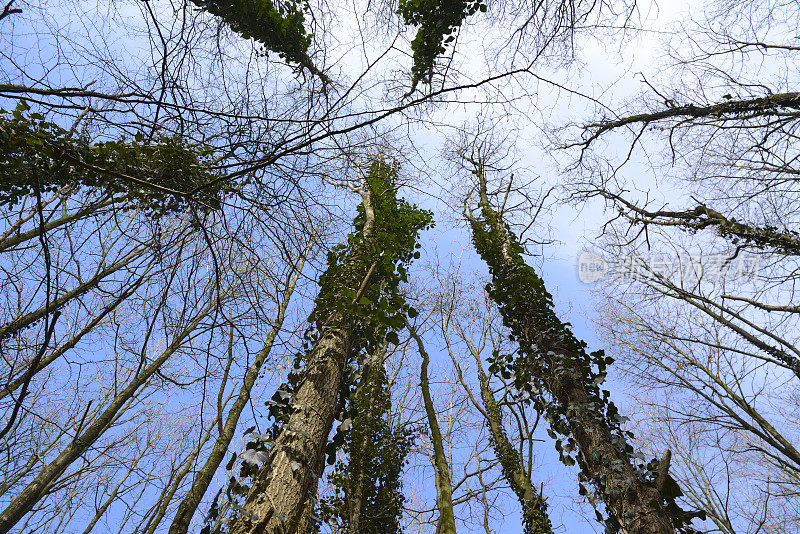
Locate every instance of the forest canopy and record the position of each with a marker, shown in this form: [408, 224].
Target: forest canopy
[426, 266]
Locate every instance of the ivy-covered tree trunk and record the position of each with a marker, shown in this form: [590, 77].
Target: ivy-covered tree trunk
[444, 488]
[287, 480]
[366, 399]
[552, 362]
[367, 496]
[356, 501]
[285, 483]
[356, 309]
[534, 507]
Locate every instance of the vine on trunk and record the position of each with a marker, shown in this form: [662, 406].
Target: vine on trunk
[368, 497]
[437, 20]
[279, 26]
[359, 293]
[152, 176]
[554, 371]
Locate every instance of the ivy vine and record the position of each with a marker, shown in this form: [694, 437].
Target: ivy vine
[152, 176]
[368, 476]
[551, 359]
[278, 25]
[373, 316]
[437, 21]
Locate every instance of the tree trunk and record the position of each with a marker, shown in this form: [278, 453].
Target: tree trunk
[558, 362]
[288, 479]
[39, 486]
[355, 499]
[444, 491]
[369, 388]
[534, 508]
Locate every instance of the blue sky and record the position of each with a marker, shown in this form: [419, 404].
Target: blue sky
[604, 71]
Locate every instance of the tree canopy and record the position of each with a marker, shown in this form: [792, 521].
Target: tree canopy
[434, 266]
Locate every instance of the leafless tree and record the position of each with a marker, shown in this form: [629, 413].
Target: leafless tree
[472, 330]
[703, 305]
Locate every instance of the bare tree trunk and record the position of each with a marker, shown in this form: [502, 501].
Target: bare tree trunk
[40, 485]
[444, 490]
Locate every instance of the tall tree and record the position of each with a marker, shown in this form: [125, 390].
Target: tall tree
[638, 498]
[480, 335]
[357, 308]
[202, 480]
[142, 299]
[444, 484]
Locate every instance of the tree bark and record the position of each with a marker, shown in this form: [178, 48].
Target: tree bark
[534, 508]
[187, 508]
[285, 483]
[774, 104]
[638, 505]
[367, 388]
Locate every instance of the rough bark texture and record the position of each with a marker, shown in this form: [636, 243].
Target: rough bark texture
[285, 483]
[444, 491]
[637, 504]
[358, 307]
[187, 508]
[306, 522]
